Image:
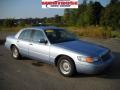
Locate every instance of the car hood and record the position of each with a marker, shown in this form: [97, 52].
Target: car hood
[83, 47]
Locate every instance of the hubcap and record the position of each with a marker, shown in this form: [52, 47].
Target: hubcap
[15, 53]
[65, 66]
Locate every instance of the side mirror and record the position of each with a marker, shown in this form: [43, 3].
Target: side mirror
[43, 41]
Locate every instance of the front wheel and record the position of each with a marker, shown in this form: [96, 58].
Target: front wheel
[66, 66]
[15, 52]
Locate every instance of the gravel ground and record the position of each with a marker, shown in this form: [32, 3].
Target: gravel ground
[27, 74]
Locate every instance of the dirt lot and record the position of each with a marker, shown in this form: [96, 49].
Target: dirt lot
[31, 75]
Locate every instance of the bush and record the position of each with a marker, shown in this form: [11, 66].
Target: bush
[94, 32]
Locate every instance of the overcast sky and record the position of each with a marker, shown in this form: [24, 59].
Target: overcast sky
[30, 8]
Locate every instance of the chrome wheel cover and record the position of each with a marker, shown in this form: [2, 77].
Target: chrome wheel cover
[65, 66]
[15, 53]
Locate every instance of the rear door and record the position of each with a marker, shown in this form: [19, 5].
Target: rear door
[24, 41]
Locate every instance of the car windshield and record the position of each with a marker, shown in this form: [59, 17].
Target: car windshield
[59, 36]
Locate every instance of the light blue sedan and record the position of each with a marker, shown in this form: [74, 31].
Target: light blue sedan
[57, 46]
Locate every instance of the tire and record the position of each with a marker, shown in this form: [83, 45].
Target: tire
[15, 52]
[66, 66]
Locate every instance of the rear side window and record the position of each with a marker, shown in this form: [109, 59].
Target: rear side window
[37, 36]
[25, 35]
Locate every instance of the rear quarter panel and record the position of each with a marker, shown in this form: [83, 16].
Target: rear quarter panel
[9, 41]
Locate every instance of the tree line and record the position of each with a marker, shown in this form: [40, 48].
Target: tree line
[87, 14]
[93, 13]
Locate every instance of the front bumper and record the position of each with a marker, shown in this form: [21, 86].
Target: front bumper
[93, 68]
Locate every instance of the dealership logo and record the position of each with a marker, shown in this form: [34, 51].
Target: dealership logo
[59, 3]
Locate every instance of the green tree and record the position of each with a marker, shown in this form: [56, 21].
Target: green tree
[85, 14]
[114, 2]
[97, 9]
[8, 23]
[22, 23]
[57, 19]
[66, 16]
[111, 15]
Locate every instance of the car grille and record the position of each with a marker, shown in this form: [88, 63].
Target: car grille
[106, 56]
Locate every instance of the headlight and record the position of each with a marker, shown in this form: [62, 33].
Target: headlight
[87, 59]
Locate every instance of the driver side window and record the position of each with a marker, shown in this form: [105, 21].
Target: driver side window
[37, 36]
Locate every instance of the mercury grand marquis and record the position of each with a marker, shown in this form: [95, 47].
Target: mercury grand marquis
[57, 46]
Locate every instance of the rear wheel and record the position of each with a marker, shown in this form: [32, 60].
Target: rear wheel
[66, 66]
[15, 52]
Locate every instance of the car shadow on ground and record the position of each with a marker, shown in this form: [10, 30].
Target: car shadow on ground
[2, 42]
[113, 72]
[36, 63]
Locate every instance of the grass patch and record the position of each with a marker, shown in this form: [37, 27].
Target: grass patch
[10, 29]
[94, 32]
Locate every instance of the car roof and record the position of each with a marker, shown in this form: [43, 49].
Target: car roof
[38, 28]
[44, 28]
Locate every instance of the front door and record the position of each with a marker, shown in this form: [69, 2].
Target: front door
[39, 50]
